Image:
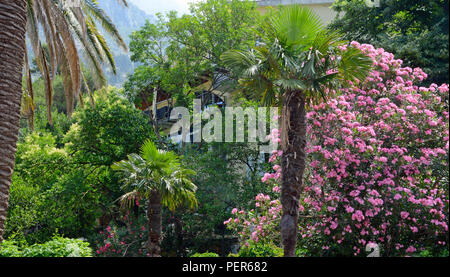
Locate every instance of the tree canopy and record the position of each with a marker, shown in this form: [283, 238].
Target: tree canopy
[176, 51]
[416, 31]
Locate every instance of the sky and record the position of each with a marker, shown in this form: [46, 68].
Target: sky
[154, 6]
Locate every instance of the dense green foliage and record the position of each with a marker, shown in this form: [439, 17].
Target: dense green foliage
[175, 51]
[56, 247]
[56, 168]
[227, 175]
[260, 250]
[416, 31]
[107, 133]
[58, 165]
[65, 186]
[205, 255]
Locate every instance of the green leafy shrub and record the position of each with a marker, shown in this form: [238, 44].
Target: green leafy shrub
[109, 132]
[57, 247]
[204, 255]
[260, 250]
[429, 253]
[10, 249]
[46, 191]
[302, 252]
[54, 170]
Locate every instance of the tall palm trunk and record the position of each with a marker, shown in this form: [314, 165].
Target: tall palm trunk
[154, 224]
[12, 48]
[293, 143]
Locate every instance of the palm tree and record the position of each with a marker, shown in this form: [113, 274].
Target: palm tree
[60, 25]
[63, 27]
[296, 63]
[156, 175]
[12, 51]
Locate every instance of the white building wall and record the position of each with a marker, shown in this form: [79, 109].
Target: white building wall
[321, 7]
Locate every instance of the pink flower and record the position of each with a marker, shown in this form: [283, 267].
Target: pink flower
[333, 225]
[349, 209]
[404, 214]
[266, 177]
[255, 236]
[383, 159]
[358, 215]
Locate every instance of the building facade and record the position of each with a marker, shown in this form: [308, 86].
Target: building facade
[321, 7]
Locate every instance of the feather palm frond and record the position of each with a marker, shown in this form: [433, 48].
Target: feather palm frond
[62, 27]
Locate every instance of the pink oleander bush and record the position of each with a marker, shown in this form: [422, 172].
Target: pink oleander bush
[127, 239]
[377, 169]
[260, 225]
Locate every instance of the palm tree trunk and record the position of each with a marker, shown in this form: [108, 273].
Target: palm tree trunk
[179, 235]
[293, 143]
[154, 224]
[12, 48]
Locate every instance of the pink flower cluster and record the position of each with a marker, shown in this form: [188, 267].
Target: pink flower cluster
[122, 241]
[259, 224]
[379, 160]
[377, 163]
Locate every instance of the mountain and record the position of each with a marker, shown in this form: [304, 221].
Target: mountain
[126, 20]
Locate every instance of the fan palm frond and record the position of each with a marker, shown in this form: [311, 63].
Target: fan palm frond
[293, 25]
[353, 65]
[296, 54]
[158, 170]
